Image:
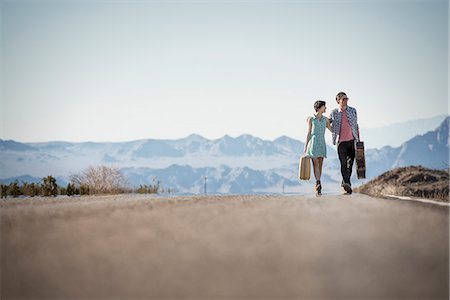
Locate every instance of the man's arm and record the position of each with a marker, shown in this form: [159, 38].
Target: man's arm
[332, 119]
[329, 124]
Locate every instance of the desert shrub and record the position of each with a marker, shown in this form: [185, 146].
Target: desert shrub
[4, 190]
[84, 189]
[169, 190]
[14, 189]
[439, 193]
[36, 189]
[62, 191]
[71, 189]
[153, 188]
[100, 180]
[30, 189]
[49, 186]
[25, 189]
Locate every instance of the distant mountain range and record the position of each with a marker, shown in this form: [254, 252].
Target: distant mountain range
[429, 150]
[245, 164]
[395, 135]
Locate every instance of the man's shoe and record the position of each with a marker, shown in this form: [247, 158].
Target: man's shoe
[347, 188]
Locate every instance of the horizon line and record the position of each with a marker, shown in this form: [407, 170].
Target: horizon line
[201, 136]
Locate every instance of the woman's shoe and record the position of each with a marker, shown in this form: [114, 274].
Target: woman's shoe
[318, 188]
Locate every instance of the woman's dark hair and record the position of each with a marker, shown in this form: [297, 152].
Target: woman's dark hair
[318, 104]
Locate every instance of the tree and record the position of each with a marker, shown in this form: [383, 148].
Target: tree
[4, 190]
[30, 189]
[49, 186]
[14, 189]
[35, 189]
[71, 190]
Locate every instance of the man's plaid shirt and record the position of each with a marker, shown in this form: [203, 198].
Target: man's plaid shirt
[336, 116]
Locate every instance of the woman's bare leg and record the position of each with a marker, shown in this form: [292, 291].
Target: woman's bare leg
[316, 167]
[320, 166]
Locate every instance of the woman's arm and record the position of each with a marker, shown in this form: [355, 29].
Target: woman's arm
[308, 135]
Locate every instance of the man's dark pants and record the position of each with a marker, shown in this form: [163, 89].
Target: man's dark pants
[346, 152]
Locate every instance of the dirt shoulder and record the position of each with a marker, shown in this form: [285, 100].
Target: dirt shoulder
[414, 181]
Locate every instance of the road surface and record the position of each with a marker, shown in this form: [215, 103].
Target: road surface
[210, 247]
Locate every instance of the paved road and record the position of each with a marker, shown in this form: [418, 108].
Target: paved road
[271, 247]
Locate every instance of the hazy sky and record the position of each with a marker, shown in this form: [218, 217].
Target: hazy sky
[125, 70]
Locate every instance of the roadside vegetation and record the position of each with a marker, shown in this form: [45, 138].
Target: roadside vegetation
[95, 180]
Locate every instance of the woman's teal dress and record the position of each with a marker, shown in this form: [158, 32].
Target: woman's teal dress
[316, 145]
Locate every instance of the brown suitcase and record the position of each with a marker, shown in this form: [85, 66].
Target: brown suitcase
[360, 161]
[304, 172]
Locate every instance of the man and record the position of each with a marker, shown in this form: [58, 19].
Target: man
[345, 126]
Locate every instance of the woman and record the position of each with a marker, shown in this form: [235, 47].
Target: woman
[315, 146]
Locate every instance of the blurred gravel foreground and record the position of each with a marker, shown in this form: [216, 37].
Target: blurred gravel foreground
[216, 247]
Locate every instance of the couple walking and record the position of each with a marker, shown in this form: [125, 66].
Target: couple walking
[343, 124]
